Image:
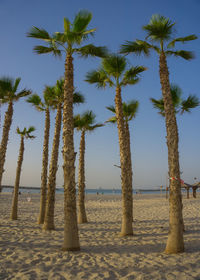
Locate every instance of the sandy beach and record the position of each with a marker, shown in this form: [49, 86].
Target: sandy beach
[27, 252]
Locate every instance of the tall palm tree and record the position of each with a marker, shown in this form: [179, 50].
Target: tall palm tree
[70, 42]
[129, 111]
[25, 133]
[9, 94]
[83, 123]
[114, 73]
[160, 33]
[180, 105]
[44, 106]
[50, 203]
[51, 185]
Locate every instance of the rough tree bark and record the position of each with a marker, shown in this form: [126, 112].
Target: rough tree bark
[71, 236]
[44, 167]
[175, 243]
[50, 203]
[126, 227]
[4, 141]
[82, 218]
[17, 180]
[129, 161]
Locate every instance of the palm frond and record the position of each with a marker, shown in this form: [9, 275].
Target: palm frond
[111, 108]
[131, 81]
[130, 109]
[81, 21]
[99, 78]
[138, 47]
[187, 55]
[36, 101]
[176, 93]
[182, 40]
[6, 84]
[39, 33]
[159, 105]
[87, 33]
[18, 130]
[22, 93]
[78, 98]
[114, 65]
[58, 90]
[91, 128]
[191, 102]
[16, 84]
[86, 121]
[30, 129]
[49, 96]
[43, 50]
[67, 25]
[159, 28]
[134, 72]
[111, 120]
[91, 50]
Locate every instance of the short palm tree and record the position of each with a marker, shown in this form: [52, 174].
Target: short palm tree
[44, 106]
[69, 42]
[9, 94]
[25, 133]
[83, 123]
[115, 73]
[129, 111]
[180, 105]
[160, 33]
[51, 186]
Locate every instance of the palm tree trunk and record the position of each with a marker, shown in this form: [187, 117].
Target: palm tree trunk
[44, 167]
[175, 243]
[126, 228]
[188, 190]
[130, 162]
[71, 236]
[82, 218]
[4, 140]
[50, 203]
[17, 180]
[194, 191]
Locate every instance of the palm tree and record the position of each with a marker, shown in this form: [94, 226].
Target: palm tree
[53, 167]
[160, 32]
[180, 105]
[44, 106]
[8, 94]
[129, 111]
[114, 73]
[25, 133]
[83, 123]
[50, 203]
[69, 41]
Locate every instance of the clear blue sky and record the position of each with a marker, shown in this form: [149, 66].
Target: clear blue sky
[116, 21]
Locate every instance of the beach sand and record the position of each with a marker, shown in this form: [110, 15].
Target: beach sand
[27, 252]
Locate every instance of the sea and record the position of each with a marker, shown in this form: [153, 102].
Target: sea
[88, 191]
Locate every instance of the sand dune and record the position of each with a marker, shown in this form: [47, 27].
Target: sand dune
[27, 252]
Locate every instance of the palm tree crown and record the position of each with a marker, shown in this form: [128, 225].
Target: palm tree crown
[26, 133]
[114, 72]
[48, 96]
[86, 121]
[58, 90]
[180, 105]
[160, 33]
[70, 40]
[129, 111]
[8, 90]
